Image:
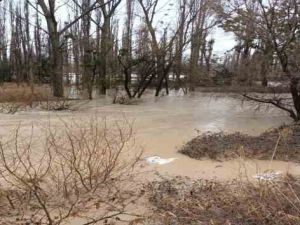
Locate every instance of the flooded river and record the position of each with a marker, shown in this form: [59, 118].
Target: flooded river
[164, 124]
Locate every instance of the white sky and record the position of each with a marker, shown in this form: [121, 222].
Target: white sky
[224, 41]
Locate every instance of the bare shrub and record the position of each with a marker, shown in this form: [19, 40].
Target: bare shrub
[56, 104]
[82, 170]
[45, 104]
[10, 107]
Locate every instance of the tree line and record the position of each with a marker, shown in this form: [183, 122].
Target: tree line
[151, 43]
[93, 42]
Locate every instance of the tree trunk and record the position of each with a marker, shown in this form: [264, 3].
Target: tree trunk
[56, 63]
[294, 89]
[195, 54]
[103, 56]
[55, 53]
[87, 57]
[263, 73]
[160, 74]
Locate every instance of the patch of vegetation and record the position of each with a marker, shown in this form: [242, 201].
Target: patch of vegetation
[15, 98]
[11, 92]
[183, 201]
[282, 144]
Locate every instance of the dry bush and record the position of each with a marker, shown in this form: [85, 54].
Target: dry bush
[10, 107]
[182, 201]
[54, 104]
[79, 168]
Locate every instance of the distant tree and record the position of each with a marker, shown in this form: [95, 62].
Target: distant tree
[5, 73]
[106, 43]
[162, 48]
[127, 42]
[205, 20]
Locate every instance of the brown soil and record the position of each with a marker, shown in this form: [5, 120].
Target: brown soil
[182, 201]
[285, 141]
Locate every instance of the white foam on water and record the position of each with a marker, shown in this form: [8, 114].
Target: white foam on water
[158, 160]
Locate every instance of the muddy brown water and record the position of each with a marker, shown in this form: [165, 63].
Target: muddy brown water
[164, 124]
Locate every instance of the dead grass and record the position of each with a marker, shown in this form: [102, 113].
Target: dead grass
[220, 146]
[183, 201]
[11, 92]
[14, 98]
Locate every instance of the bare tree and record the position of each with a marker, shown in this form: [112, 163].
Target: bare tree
[4, 61]
[127, 42]
[55, 37]
[87, 48]
[162, 48]
[108, 11]
[179, 44]
[275, 23]
[200, 28]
